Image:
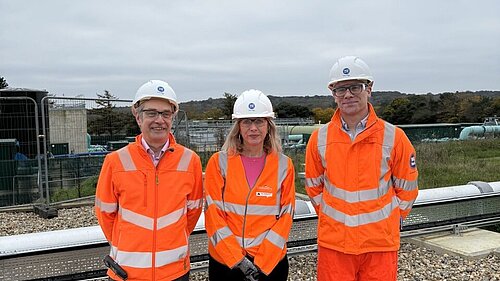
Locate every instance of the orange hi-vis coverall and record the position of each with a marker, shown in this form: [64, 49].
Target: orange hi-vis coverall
[361, 189]
[147, 213]
[245, 220]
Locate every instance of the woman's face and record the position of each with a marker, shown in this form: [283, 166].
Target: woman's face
[253, 131]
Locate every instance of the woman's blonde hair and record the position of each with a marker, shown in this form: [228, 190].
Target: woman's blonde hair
[234, 141]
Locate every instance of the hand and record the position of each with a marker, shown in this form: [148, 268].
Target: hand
[249, 270]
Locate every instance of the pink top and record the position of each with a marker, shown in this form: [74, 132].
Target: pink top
[253, 166]
[154, 157]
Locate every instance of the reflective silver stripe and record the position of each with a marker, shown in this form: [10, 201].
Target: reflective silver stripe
[113, 251]
[357, 196]
[126, 159]
[185, 160]
[361, 219]
[405, 184]
[387, 145]
[316, 200]
[269, 235]
[147, 222]
[252, 242]
[312, 182]
[406, 205]
[106, 207]
[239, 209]
[223, 163]
[143, 259]
[287, 209]
[278, 240]
[170, 218]
[262, 210]
[209, 200]
[217, 203]
[137, 219]
[170, 256]
[282, 171]
[134, 259]
[194, 204]
[233, 208]
[220, 234]
[322, 135]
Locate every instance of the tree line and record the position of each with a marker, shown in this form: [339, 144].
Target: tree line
[395, 107]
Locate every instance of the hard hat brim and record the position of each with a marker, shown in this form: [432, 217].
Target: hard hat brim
[331, 85]
[146, 98]
[241, 116]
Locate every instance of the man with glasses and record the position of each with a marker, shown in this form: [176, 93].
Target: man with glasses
[149, 194]
[361, 176]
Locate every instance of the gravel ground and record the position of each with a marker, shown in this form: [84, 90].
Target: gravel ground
[415, 263]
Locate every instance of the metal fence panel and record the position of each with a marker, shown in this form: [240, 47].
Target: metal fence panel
[78, 135]
[20, 164]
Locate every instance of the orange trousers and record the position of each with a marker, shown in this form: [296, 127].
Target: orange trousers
[335, 265]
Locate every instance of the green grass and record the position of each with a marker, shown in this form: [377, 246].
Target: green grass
[457, 163]
[87, 188]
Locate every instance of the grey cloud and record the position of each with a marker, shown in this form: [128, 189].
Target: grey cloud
[206, 48]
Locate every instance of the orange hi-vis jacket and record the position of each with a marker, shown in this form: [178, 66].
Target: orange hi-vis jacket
[361, 189]
[245, 220]
[147, 213]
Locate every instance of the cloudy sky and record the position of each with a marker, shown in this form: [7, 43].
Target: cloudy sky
[205, 48]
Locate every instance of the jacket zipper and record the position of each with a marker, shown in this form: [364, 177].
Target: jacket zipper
[153, 262]
[246, 203]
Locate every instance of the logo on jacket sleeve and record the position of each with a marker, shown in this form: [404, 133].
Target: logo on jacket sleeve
[413, 162]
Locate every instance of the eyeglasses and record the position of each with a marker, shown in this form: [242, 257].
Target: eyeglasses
[355, 89]
[153, 114]
[259, 122]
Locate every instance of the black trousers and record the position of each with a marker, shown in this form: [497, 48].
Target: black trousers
[220, 272]
[184, 277]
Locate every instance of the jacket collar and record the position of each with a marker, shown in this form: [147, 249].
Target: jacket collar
[372, 117]
[171, 139]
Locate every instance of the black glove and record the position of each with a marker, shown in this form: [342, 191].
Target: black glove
[249, 270]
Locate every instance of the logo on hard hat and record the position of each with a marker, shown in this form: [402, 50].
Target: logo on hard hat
[161, 89]
[346, 71]
[251, 105]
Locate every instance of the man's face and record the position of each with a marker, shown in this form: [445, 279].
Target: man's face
[155, 127]
[352, 104]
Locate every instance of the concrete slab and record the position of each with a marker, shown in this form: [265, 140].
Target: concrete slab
[472, 243]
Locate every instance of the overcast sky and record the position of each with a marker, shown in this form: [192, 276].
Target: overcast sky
[205, 48]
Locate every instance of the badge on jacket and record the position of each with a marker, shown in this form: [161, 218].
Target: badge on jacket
[264, 191]
[413, 162]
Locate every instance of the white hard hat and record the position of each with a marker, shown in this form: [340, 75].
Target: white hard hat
[252, 103]
[156, 89]
[349, 68]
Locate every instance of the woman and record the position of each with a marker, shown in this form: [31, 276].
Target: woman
[250, 193]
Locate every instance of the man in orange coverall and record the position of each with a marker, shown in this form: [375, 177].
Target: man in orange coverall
[149, 193]
[361, 176]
